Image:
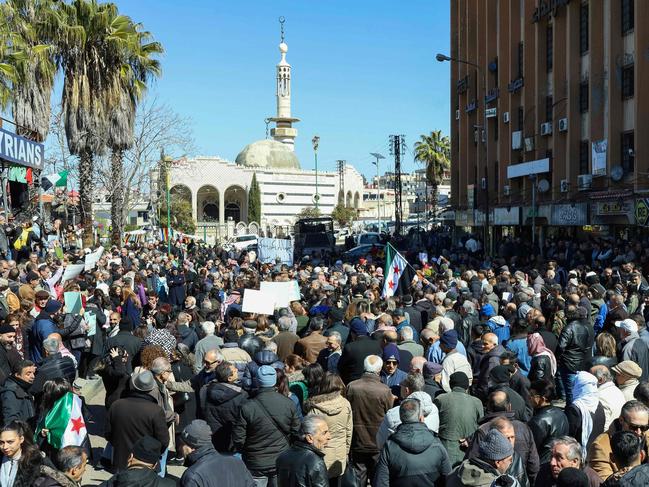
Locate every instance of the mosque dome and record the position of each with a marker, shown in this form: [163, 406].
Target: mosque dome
[268, 153]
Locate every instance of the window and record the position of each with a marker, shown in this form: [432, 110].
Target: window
[583, 96]
[549, 49]
[583, 28]
[628, 152]
[520, 59]
[584, 157]
[521, 118]
[628, 73]
[548, 108]
[144, 215]
[627, 16]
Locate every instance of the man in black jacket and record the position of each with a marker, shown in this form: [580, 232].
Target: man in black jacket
[54, 365]
[220, 403]
[207, 468]
[350, 365]
[16, 401]
[9, 357]
[264, 427]
[125, 340]
[142, 466]
[303, 463]
[573, 350]
[412, 455]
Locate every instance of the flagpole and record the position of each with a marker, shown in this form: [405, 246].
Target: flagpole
[407, 263]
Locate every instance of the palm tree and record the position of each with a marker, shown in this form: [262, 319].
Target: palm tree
[139, 66]
[434, 151]
[91, 55]
[7, 71]
[32, 27]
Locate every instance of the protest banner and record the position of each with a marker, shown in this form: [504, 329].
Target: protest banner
[283, 292]
[271, 249]
[93, 258]
[260, 302]
[72, 271]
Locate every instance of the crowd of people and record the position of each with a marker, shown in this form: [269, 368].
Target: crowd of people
[526, 369]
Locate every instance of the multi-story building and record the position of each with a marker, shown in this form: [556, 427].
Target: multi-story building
[565, 146]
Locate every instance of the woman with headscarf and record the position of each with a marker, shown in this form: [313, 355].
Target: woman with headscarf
[586, 415]
[544, 364]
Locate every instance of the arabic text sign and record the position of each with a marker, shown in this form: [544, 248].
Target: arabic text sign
[269, 249]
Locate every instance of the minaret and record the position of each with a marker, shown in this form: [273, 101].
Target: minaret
[284, 131]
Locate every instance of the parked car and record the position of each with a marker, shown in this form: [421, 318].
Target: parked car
[362, 251]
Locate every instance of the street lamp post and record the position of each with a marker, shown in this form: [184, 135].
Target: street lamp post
[442, 58]
[315, 141]
[378, 189]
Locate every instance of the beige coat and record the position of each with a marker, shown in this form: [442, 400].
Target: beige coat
[338, 414]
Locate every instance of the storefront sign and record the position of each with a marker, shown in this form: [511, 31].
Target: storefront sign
[548, 8]
[599, 149]
[507, 216]
[461, 218]
[20, 150]
[613, 208]
[515, 85]
[642, 212]
[569, 215]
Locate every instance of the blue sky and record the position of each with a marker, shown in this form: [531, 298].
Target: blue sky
[361, 70]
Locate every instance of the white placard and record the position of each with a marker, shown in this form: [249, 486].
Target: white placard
[93, 258]
[260, 302]
[72, 271]
[283, 292]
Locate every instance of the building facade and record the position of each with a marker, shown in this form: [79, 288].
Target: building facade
[559, 92]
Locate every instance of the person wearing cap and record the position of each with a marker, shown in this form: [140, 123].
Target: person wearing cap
[336, 318]
[9, 356]
[142, 464]
[44, 325]
[28, 290]
[411, 387]
[432, 373]
[370, 400]
[459, 414]
[413, 455]
[627, 377]
[634, 418]
[391, 375]
[207, 467]
[136, 415]
[631, 347]
[265, 427]
[453, 361]
[414, 314]
[492, 462]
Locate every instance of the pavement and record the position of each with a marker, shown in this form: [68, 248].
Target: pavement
[94, 394]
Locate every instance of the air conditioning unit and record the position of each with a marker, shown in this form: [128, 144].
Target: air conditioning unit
[506, 117]
[546, 128]
[507, 189]
[564, 186]
[584, 182]
[517, 140]
[457, 114]
[563, 125]
[529, 144]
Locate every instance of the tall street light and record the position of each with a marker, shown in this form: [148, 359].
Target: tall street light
[378, 190]
[315, 141]
[442, 58]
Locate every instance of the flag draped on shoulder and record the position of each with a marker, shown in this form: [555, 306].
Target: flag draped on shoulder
[397, 273]
[57, 179]
[64, 422]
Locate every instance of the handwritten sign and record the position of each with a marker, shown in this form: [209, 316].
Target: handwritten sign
[271, 249]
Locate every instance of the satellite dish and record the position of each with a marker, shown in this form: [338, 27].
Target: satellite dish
[617, 173]
[543, 186]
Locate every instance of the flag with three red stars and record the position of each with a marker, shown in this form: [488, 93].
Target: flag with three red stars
[397, 273]
[64, 423]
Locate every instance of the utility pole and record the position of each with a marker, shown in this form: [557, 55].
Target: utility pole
[378, 188]
[397, 149]
[316, 141]
[340, 164]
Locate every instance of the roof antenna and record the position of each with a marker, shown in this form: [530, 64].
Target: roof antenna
[281, 24]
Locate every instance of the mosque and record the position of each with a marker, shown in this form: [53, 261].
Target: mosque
[218, 189]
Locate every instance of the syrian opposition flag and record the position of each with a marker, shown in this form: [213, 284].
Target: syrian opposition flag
[397, 273]
[65, 422]
[56, 179]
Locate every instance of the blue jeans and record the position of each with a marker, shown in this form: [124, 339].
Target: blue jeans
[568, 379]
[163, 464]
[270, 481]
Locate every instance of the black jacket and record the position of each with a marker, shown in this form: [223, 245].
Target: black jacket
[433, 388]
[636, 350]
[636, 477]
[207, 468]
[53, 366]
[220, 409]
[8, 360]
[131, 418]
[413, 455]
[264, 428]
[574, 346]
[489, 361]
[142, 477]
[127, 341]
[17, 403]
[520, 409]
[574, 423]
[540, 368]
[302, 466]
[350, 365]
[415, 317]
[547, 424]
[115, 378]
